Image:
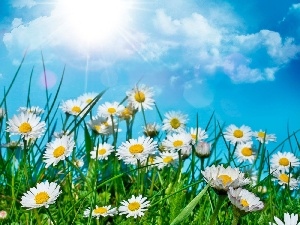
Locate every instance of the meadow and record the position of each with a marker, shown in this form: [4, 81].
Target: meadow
[88, 161]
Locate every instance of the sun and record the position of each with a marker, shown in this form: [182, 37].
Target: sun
[94, 21]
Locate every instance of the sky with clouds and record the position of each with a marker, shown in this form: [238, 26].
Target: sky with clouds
[237, 58]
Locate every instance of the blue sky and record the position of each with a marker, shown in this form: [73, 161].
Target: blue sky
[237, 58]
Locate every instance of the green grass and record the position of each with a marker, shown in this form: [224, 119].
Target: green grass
[177, 195]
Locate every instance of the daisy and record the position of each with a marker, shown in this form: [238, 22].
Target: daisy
[100, 211]
[202, 149]
[72, 107]
[127, 113]
[110, 109]
[27, 125]
[244, 200]
[285, 179]
[102, 151]
[87, 98]
[151, 130]
[177, 141]
[58, 150]
[244, 152]
[198, 134]
[221, 178]
[174, 121]
[289, 219]
[101, 125]
[141, 97]
[167, 159]
[34, 109]
[135, 206]
[283, 161]
[263, 137]
[44, 194]
[136, 149]
[233, 134]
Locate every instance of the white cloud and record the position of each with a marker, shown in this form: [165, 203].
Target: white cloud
[280, 50]
[23, 3]
[179, 40]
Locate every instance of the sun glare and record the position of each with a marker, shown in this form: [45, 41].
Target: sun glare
[94, 21]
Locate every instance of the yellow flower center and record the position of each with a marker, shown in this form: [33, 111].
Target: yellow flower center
[193, 136]
[238, 133]
[261, 134]
[244, 202]
[100, 210]
[284, 162]
[41, 197]
[175, 123]
[225, 179]
[139, 96]
[76, 109]
[284, 178]
[168, 159]
[59, 151]
[25, 127]
[126, 113]
[246, 151]
[101, 151]
[133, 206]
[177, 143]
[151, 160]
[89, 100]
[111, 110]
[97, 127]
[137, 148]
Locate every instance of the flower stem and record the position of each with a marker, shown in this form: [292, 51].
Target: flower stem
[51, 218]
[214, 216]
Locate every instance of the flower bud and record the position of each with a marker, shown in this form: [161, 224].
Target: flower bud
[3, 214]
[202, 149]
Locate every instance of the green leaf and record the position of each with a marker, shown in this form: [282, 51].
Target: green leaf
[188, 209]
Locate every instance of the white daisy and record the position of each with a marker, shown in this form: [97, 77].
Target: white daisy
[244, 200]
[73, 107]
[283, 161]
[202, 149]
[263, 137]
[27, 125]
[136, 149]
[198, 134]
[102, 151]
[44, 194]
[289, 219]
[174, 121]
[177, 141]
[245, 152]
[110, 109]
[102, 125]
[100, 211]
[238, 135]
[87, 98]
[285, 179]
[58, 150]
[141, 96]
[167, 159]
[151, 130]
[33, 109]
[134, 207]
[221, 178]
